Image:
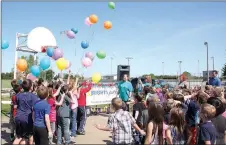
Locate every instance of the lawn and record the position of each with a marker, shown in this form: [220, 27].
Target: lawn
[6, 83]
[5, 109]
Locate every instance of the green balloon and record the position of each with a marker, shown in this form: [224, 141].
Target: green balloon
[101, 54]
[111, 5]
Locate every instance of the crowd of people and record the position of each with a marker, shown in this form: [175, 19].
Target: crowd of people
[163, 116]
[42, 112]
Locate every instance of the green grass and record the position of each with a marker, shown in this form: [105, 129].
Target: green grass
[5, 98]
[5, 109]
[6, 83]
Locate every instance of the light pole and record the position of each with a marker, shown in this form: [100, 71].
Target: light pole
[198, 70]
[213, 61]
[111, 64]
[129, 58]
[179, 68]
[162, 68]
[207, 59]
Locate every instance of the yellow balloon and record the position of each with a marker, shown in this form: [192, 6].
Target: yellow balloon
[61, 63]
[96, 77]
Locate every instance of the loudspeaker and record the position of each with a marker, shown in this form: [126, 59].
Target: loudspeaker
[122, 69]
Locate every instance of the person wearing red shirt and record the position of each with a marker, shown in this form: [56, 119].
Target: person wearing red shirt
[81, 119]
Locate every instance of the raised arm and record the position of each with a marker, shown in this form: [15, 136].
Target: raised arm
[61, 100]
[58, 91]
[68, 78]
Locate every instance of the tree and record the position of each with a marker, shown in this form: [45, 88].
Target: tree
[49, 74]
[224, 71]
[187, 74]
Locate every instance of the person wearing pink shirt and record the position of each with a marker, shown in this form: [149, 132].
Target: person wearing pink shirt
[74, 93]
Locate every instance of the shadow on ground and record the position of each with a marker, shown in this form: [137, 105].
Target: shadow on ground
[108, 142]
[5, 134]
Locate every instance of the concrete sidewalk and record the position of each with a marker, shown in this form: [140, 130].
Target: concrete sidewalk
[93, 136]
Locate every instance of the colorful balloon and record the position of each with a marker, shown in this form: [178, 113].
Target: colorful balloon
[31, 77]
[107, 25]
[70, 34]
[61, 63]
[96, 77]
[58, 53]
[93, 18]
[74, 30]
[50, 51]
[87, 22]
[111, 5]
[86, 62]
[89, 55]
[45, 63]
[35, 70]
[101, 54]
[5, 44]
[68, 65]
[84, 44]
[21, 65]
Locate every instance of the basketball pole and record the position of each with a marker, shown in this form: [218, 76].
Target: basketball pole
[15, 58]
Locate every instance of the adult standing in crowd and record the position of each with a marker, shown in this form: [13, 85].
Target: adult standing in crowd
[214, 80]
[125, 90]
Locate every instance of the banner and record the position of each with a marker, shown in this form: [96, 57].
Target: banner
[101, 94]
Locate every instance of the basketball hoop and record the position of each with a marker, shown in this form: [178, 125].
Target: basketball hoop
[44, 48]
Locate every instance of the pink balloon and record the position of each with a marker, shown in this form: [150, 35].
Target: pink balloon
[87, 22]
[70, 34]
[31, 77]
[86, 62]
[89, 55]
[68, 64]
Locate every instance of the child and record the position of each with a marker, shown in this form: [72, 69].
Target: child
[207, 133]
[138, 107]
[175, 131]
[120, 123]
[74, 92]
[24, 123]
[155, 124]
[42, 129]
[192, 115]
[13, 93]
[53, 103]
[63, 117]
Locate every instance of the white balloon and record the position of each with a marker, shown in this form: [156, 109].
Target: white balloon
[40, 37]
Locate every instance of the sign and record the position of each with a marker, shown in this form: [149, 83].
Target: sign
[101, 94]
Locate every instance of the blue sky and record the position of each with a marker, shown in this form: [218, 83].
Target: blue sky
[151, 33]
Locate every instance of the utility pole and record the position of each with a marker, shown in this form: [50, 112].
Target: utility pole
[129, 58]
[198, 69]
[163, 69]
[179, 68]
[207, 59]
[111, 64]
[213, 61]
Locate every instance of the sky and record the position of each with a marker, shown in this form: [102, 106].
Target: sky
[149, 32]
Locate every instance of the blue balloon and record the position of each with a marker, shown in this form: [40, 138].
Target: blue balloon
[50, 52]
[5, 44]
[84, 44]
[35, 70]
[74, 30]
[45, 63]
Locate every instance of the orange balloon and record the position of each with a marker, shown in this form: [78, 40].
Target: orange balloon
[107, 25]
[21, 64]
[93, 18]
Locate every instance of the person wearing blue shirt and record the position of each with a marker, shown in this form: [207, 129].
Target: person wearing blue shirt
[42, 129]
[125, 89]
[214, 80]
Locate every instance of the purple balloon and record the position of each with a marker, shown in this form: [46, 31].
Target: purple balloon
[70, 34]
[58, 53]
[89, 55]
